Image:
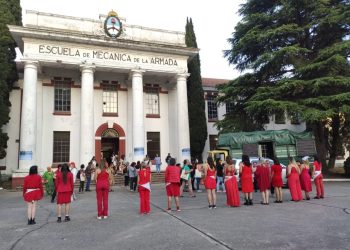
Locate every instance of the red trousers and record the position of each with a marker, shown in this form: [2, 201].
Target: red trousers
[144, 200]
[102, 200]
[319, 186]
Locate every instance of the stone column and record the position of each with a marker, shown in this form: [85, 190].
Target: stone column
[27, 154]
[138, 127]
[182, 119]
[87, 135]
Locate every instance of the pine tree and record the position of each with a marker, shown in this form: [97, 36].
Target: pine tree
[10, 13]
[297, 55]
[195, 97]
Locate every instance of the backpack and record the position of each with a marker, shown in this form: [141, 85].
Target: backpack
[78, 175]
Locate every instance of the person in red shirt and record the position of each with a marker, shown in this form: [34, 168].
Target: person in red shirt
[32, 192]
[64, 187]
[318, 178]
[102, 190]
[262, 174]
[144, 187]
[210, 182]
[172, 182]
[276, 176]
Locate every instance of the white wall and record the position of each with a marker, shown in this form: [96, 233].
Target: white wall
[12, 129]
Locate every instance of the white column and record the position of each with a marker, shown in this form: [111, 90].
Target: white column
[138, 127]
[87, 135]
[182, 119]
[27, 152]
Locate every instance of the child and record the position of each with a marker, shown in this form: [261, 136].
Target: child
[82, 178]
[143, 182]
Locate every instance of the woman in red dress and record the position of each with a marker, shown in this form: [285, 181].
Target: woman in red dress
[172, 183]
[262, 174]
[277, 183]
[293, 172]
[231, 186]
[305, 178]
[102, 190]
[144, 186]
[32, 192]
[64, 188]
[318, 178]
[210, 182]
[246, 172]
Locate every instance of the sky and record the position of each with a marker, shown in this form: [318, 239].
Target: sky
[213, 21]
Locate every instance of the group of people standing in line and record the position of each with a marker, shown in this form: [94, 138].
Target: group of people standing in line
[266, 177]
[176, 178]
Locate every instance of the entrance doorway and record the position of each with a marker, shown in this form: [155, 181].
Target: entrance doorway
[109, 144]
[266, 149]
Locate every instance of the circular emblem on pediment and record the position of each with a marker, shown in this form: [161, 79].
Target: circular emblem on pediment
[113, 25]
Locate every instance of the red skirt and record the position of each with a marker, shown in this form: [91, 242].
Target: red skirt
[33, 196]
[305, 181]
[64, 198]
[277, 181]
[173, 189]
[247, 184]
[232, 193]
[210, 183]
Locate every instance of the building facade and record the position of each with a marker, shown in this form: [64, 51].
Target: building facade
[93, 88]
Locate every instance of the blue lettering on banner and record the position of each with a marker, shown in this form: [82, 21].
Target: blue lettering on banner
[139, 151]
[25, 155]
[186, 152]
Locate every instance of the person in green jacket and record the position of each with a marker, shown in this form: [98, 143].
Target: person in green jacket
[48, 181]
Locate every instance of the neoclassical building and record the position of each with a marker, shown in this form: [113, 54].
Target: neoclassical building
[95, 87]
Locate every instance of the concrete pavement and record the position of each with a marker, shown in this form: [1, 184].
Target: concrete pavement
[314, 224]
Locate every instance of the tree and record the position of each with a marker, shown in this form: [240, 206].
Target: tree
[297, 54]
[195, 97]
[10, 13]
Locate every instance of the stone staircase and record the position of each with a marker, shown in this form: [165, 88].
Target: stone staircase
[119, 179]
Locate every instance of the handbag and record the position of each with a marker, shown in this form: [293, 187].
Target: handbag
[184, 175]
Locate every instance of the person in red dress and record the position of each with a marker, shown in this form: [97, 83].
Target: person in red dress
[144, 186]
[64, 188]
[32, 192]
[172, 183]
[305, 178]
[210, 182]
[276, 176]
[293, 172]
[102, 190]
[246, 172]
[262, 174]
[231, 186]
[318, 178]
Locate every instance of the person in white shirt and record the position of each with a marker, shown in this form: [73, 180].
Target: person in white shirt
[74, 171]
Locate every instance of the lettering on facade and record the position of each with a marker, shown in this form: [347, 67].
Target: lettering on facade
[105, 55]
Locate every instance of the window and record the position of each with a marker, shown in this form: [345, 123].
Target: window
[62, 94]
[212, 108]
[213, 139]
[153, 144]
[295, 118]
[229, 107]
[110, 99]
[61, 146]
[152, 100]
[280, 118]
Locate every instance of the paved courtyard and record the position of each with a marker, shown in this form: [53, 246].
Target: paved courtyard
[314, 224]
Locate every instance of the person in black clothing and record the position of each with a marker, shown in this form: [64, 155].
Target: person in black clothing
[53, 196]
[167, 159]
[220, 176]
[192, 175]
